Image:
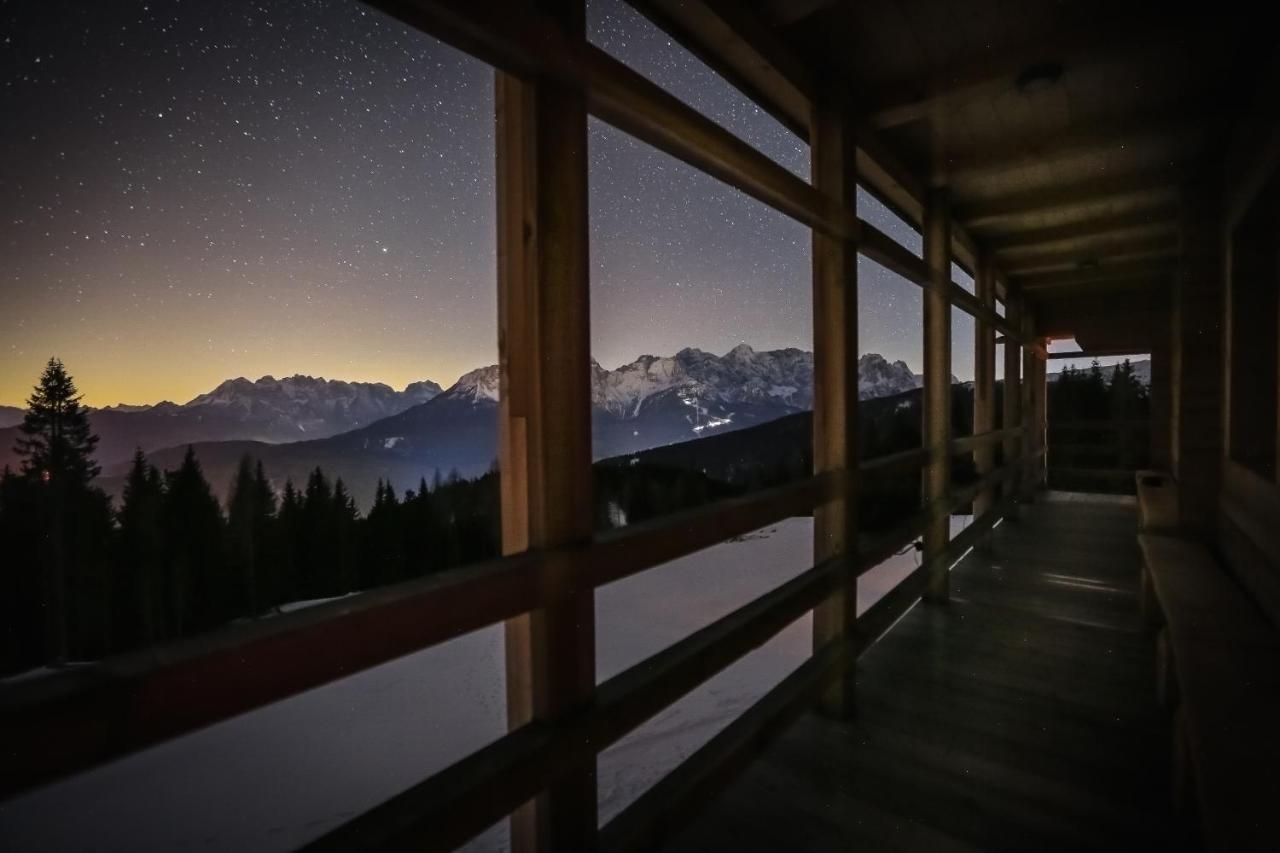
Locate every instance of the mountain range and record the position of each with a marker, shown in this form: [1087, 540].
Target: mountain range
[268, 410]
[367, 431]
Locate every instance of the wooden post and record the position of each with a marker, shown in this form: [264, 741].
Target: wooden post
[1030, 444]
[1041, 419]
[835, 379]
[937, 384]
[1199, 389]
[545, 417]
[984, 384]
[1012, 404]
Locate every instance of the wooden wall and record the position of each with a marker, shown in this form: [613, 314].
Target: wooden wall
[1248, 506]
[1197, 340]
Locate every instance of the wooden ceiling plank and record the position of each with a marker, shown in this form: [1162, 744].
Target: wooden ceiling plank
[1105, 273]
[1156, 187]
[1160, 246]
[1159, 217]
[904, 101]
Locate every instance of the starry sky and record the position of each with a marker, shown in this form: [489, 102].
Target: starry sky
[193, 191]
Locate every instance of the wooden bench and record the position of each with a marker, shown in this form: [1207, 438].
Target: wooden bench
[1219, 668]
[1157, 501]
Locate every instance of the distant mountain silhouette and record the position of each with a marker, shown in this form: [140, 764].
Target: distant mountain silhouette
[268, 410]
[652, 402]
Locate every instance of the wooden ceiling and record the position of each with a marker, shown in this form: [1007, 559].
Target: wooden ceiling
[1074, 186]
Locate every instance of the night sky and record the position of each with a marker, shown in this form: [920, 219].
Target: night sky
[192, 191]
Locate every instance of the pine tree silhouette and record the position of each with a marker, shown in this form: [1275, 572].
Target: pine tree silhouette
[140, 562]
[56, 448]
[58, 443]
[194, 537]
[251, 508]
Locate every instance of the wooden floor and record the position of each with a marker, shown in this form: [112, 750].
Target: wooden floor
[1021, 717]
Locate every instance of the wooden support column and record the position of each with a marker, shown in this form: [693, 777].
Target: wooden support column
[1029, 405]
[1162, 393]
[937, 384]
[1040, 419]
[545, 417]
[984, 383]
[835, 379]
[1198, 342]
[1012, 403]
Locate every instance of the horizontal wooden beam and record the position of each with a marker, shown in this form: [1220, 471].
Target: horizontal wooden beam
[677, 797]
[1072, 258]
[61, 724]
[462, 800]
[972, 305]
[1106, 273]
[1096, 353]
[742, 49]
[1014, 151]
[895, 463]
[993, 73]
[892, 255]
[741, 46]
[965, 443]
[525, 42]
[1162, 217]
[665, 807]
[1150, 188]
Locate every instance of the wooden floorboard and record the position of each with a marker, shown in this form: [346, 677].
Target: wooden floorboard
[1020, 717]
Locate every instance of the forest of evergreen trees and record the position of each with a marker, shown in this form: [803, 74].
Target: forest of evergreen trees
[82, 578]
[1098, 428]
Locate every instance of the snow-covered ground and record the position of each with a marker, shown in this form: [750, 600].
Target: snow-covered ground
[278, 777]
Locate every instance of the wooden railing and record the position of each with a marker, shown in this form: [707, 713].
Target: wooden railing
[58, 725]
[1099, 455]
[549, 78]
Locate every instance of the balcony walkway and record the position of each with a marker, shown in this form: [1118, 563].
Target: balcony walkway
[1022, 717]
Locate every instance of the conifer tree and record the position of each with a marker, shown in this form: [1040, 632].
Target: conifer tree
[141, 553]
[318, 563]
[344, 541]
[193, 526]
[58, 442]
[251, 506]
[289, 534]
[22, 622]
[56, 448]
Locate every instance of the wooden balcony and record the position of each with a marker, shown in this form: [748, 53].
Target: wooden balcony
[1022, 716]
[1008, 703]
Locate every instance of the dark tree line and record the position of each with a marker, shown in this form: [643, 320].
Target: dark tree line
[1089, 395]
[1095, 423]
[82, 579]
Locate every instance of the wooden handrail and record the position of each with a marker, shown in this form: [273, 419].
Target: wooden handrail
[1102, 425]
[462, 800]
[70, 721]
[487, 785]
[904, 460]
[669, 802]
[965, 443]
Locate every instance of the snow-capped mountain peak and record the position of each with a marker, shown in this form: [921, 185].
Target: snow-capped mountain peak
[479, 385]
